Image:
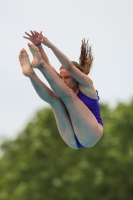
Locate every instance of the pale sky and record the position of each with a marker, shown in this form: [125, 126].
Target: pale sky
[108, 24]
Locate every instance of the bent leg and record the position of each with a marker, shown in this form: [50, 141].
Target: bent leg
[85, 125]
[61, 114]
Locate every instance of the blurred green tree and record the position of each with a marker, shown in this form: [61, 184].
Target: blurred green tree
[39, 165]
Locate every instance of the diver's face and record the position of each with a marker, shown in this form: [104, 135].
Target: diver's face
[68, 79]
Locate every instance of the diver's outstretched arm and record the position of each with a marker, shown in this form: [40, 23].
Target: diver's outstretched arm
[82, 78]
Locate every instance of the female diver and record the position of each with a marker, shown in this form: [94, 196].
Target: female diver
[74, 100]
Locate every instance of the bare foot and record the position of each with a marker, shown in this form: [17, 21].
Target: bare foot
[37, 59]
[25, 63]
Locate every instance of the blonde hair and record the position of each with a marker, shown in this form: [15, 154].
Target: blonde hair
[85, 59]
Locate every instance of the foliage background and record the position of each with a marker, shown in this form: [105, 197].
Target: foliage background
[39, 165]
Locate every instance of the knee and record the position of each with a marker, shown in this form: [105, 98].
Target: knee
[93, 142]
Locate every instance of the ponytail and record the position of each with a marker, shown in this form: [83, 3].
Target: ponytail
[86, 58]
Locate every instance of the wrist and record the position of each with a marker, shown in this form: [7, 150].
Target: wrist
[38, 44]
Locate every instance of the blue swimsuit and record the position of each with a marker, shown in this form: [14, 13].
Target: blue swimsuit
[93, 106]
